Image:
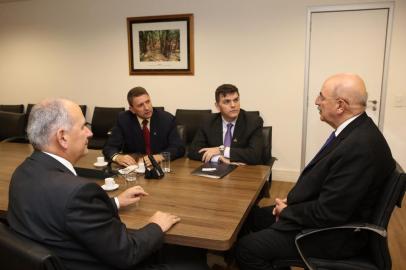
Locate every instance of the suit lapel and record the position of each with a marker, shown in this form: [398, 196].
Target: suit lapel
[218, 130]
[239, 128]
[153, 129]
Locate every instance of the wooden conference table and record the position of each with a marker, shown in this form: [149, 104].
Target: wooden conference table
[211, 210]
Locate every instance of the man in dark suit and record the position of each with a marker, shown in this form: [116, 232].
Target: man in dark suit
[338, 186]
[232, 135]
[143, 130]
[73, 216]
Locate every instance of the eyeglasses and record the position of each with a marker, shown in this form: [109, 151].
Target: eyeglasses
[322, 98]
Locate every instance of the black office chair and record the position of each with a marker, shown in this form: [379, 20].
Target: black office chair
[191, 120]
[18, 252]
[12, 108]
[84, 109]
[104, 119]
[267, 159]
[160, 108]
[12, 125]
[376, 254]
[182, 132]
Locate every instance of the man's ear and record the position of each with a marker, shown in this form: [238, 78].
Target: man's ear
[61, 138]
[217, 106]
[341, 106]
[131, 109]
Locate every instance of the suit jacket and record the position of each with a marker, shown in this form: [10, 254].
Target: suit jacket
[340, 185]
[74, 218]
[247, 143]
[127, 135]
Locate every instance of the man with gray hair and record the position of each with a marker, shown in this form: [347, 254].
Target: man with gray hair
[72, 216]
[338, 186]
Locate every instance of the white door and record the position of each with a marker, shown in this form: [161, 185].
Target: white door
[344, 41]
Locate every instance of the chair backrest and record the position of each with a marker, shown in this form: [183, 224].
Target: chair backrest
[391, 195]
[267, 152]
[84, 109]
[192, 120]
[160, 108]
[104, 119]
[182, 132]
[11, 125]
[12, 108]
[18, 252]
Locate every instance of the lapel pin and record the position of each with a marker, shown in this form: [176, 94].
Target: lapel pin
[235, 140]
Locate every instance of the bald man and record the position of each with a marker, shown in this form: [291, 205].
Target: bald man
[338, 186]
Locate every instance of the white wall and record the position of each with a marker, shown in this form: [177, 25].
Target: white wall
[78, 49]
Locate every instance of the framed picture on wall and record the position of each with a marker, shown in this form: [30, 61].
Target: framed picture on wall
[161, 45]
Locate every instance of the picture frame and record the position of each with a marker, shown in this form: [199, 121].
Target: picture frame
[161, 45]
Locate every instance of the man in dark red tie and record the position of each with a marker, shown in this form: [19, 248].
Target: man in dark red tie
[339, 186]
[143, 130]
[232, 135]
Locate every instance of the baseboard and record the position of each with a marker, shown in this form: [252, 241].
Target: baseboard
[285, 175]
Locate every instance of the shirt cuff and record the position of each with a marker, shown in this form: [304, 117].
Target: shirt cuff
[114, 157]
[227, 152]
[117, 202]
[215, 158]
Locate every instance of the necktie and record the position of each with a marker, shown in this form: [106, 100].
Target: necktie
[328, 141]
[228, 136]
[147, 141]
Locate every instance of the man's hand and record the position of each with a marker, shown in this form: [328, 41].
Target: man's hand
[125, 160]
[131, 195]
[280, 204]
[164, 220]
[209, 152]
[157, 157]
[227, 161]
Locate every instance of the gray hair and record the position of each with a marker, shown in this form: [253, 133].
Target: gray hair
[45, 119]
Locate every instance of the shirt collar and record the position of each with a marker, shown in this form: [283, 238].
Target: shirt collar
[64, 162]
[225, 122]
[142, 119]
[345, 124]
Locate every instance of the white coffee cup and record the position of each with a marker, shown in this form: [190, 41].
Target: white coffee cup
[100, 160]
[109, 181]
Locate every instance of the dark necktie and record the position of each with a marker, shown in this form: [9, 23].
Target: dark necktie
[328, 141]
[228, 136]
[147, 141]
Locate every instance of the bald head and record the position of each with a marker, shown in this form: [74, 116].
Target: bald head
[351, 88]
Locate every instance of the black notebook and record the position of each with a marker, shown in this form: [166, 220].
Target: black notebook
[214, 170]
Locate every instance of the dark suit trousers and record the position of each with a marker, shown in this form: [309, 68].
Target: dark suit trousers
[260, 244]
[173, 257]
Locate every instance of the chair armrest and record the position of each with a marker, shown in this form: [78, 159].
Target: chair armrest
[355, 226]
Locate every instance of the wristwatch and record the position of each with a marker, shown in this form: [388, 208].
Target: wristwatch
[221, 149]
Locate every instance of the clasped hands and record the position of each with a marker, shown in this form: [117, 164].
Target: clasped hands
[280, 204]
[210, 152]
[134, 194]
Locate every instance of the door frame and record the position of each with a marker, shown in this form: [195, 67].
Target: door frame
[335, 8]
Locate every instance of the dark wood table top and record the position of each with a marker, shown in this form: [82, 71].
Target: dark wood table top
[211, 210]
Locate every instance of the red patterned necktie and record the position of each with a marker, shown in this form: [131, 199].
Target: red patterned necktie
[147, 141]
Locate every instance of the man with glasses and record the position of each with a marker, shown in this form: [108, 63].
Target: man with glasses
[338, 186]
[232, 135]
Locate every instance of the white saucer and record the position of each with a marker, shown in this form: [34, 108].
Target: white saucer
[102, 164]
[113, 187]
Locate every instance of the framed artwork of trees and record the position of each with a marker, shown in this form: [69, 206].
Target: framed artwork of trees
[161, 45]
